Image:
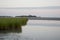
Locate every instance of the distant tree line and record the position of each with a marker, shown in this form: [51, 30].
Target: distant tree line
[20, 16]
[26, 16]
[5, 16]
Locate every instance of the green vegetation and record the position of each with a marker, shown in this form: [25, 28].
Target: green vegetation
[12, 24]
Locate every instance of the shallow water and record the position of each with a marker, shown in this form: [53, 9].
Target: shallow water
[36, 30]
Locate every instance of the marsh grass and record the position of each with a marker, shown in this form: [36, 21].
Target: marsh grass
[12, 24]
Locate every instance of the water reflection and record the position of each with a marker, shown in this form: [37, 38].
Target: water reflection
[35, 31]
[10, 34]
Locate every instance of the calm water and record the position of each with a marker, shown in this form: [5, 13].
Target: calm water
[36, 30]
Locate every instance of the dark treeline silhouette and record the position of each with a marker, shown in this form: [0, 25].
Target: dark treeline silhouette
[5, 16]
[26, 16]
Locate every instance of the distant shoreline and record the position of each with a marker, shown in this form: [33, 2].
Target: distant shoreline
[32, 17]
[42, 18]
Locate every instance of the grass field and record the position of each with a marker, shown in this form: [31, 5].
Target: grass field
[12, 24]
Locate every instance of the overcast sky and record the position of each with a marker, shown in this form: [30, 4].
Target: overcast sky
[29, 3]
